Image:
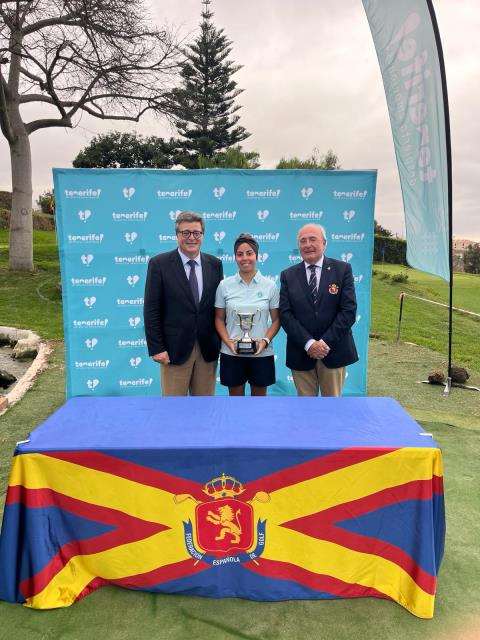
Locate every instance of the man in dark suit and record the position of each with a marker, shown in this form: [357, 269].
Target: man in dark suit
[317, 310]
[179, 312]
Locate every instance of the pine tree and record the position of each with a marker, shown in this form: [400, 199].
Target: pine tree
[204, 106]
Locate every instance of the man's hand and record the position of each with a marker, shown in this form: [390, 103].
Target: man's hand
[162, 358]
[318, 350]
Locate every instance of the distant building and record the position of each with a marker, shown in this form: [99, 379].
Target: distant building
[459, 247]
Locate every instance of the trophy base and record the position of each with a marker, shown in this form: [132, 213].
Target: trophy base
[246, 348]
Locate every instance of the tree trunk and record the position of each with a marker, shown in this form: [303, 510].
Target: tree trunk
[21, 221]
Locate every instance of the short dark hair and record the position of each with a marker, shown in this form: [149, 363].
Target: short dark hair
[249, 239]
[189, 216]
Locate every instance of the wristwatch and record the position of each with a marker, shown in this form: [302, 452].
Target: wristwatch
[267, 340]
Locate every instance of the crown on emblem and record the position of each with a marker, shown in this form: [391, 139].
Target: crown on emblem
[223, 487]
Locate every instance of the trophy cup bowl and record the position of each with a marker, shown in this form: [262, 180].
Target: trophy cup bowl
[246, 345]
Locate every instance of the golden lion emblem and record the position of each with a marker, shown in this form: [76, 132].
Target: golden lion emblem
[228, 521]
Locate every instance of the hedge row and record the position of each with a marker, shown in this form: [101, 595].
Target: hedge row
[41, 221]
[392, 250]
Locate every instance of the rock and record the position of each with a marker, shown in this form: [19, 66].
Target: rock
[436, 377]
[459, 375]
[26, 348]
[6, 379]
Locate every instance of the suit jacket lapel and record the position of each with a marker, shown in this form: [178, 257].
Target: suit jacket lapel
[324, 276]
[181, 276]
[206, 276]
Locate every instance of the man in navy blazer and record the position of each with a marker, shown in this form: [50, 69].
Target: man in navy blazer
[179, 312]
[317, 311]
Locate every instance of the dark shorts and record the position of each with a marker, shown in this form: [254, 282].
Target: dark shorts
[237, 370]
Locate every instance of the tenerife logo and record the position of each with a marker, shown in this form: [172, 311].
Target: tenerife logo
[350, 195]
[295, 256]
[268, 193]
[346, 257]
[347, 237]
[86, 259]
[139, 259]
[348, 215]
[266, 237]
[82, 193]
[92, 384]
[97, 323]
[91, 343]
[224, 525]
[219, 215]
[306, 192]
[164, 237]
[218, 192]
[305, 215]
[134, 322]
[218, 236]
[174, 214]
[94, 281]
[178, 193]
[139, 382]
[133, 280]
[132, 302]
[84, 215]
[92, 364]
[263, 215]
[128, 344]
[128, 192]
[89, 302]
[358, 279]
[128, 216]
[131, 237]
[88, 237]
[135, 362]
[263, 257]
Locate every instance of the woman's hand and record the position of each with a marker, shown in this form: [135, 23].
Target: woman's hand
[232, 345]
[261, 346]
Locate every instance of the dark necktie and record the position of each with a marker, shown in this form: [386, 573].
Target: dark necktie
[312, 283]
[193, 282]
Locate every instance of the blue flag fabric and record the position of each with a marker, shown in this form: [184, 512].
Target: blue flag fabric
[409, 60]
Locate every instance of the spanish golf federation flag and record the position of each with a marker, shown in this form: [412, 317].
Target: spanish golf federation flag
[263, 525]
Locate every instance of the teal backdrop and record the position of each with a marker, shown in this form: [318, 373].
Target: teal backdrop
[111, 221]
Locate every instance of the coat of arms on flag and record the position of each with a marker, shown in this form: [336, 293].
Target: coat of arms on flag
[224, 525]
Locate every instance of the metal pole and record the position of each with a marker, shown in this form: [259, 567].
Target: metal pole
[402, 296]
[448, 145]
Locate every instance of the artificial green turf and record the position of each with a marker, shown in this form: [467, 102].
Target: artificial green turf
[120, 614]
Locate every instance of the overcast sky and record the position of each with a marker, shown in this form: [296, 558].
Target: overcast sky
[311, 79]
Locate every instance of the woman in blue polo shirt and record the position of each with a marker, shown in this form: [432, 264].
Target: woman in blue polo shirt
[251, 293]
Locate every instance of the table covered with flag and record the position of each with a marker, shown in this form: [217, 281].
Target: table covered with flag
[260, 498]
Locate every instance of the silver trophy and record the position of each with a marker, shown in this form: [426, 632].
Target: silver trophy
[246, 345]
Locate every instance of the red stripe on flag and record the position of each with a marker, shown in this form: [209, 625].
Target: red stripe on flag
[127, 529]
[130, 471]
[315, 581]
[321, 526]
[313, 469]
[170, 572]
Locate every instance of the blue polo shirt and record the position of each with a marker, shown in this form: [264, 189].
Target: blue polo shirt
[235, 295]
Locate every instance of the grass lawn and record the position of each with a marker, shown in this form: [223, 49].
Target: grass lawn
[32, 300]
[427, 324]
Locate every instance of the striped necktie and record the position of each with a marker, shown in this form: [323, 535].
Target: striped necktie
[193, 282]
[312, 283]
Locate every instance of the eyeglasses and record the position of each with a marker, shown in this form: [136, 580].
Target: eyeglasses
[186, 234]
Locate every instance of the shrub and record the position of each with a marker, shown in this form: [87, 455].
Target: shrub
[401, 278]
